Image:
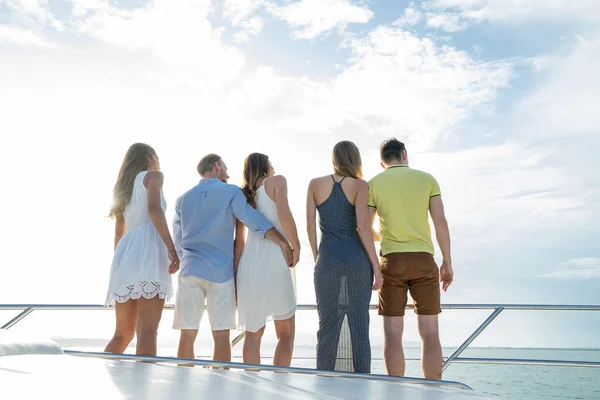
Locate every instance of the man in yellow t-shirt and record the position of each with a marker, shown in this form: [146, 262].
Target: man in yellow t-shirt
[403, 197]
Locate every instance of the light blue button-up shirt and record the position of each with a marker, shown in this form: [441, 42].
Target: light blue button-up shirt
[204, 225]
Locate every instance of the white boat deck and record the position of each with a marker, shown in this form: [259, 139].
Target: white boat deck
[31, 369]
[68, 377]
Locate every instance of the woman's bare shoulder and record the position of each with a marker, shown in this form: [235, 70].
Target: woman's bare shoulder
[156, 176]
[320, 179]
[359, 184]
[277, 179]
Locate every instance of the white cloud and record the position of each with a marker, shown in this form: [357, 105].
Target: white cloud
[394, 82]
[312, 18]
[22, 37]
[411, 17]
[81, 8]
[421, 88]
[175, 31]
[565, 101]
[577, 269]
[33, 14]
[493, 187]
[249, 28]
[28, 21]
[239, 10]
[507, 11]
[448, 22]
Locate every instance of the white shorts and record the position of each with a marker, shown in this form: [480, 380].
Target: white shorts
[189, 304]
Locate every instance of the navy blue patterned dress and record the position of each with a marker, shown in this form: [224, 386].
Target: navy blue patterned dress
[343, 280]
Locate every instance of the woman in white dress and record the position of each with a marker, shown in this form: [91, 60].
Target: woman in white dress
[144, 252]
[265, 282]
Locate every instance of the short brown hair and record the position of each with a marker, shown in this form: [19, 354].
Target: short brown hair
[391, 150]
[346, 160]
[207, 163]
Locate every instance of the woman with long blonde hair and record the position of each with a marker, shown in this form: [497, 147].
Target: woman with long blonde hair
[145, 256]
[265, 281]
[347, 268]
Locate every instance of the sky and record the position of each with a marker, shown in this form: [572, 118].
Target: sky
[497, 99]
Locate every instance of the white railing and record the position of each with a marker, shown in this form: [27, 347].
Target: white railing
[497, 309]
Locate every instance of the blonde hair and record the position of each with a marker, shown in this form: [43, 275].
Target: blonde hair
[346, 160]
[137, 159]
[256, 167]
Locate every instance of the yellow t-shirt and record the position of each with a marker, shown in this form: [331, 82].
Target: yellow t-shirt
[401, 196]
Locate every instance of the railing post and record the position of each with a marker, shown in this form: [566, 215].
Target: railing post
[473, 336]
[19, 317]
[237, 339]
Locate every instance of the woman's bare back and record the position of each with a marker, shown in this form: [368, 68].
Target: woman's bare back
[323, 186]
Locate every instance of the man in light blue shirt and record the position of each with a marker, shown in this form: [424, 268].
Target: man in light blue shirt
[203, 231]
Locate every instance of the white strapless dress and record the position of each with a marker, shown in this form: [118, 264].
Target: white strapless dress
[266, 286]
[141, 262]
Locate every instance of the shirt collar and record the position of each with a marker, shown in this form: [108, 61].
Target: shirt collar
[205, 181]
[397, 166]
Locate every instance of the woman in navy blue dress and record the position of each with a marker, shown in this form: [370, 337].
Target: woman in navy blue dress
[347, 267]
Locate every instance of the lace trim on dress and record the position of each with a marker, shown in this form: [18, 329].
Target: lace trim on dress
[145, 289]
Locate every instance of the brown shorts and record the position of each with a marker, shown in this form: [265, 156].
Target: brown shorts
[414, 272]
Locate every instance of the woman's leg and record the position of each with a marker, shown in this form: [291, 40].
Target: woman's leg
[126, 317]
[331, 315]
[359, 295]
[286, 331]
[149, 314]
[251, 352]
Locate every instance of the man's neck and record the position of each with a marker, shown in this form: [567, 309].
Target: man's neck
[396, 164]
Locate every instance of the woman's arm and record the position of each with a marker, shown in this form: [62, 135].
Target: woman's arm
[365, 225]
[239, 243]
[155, 181]
[119, 229]
[311, 217]
[238, 249]
[285, 215]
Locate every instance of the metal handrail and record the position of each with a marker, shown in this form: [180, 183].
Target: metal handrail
[526, 361]
[308, 307]
[497, 309]
[294, 370]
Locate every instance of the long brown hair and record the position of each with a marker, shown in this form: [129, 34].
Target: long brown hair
[137, 159]
[346, 160]
[256, 167]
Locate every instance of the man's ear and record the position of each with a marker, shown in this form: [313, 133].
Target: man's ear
[382, 165]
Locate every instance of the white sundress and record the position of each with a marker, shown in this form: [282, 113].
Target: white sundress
[266, 285]
[140, 263]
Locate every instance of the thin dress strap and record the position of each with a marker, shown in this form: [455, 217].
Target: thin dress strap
[341, 180]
